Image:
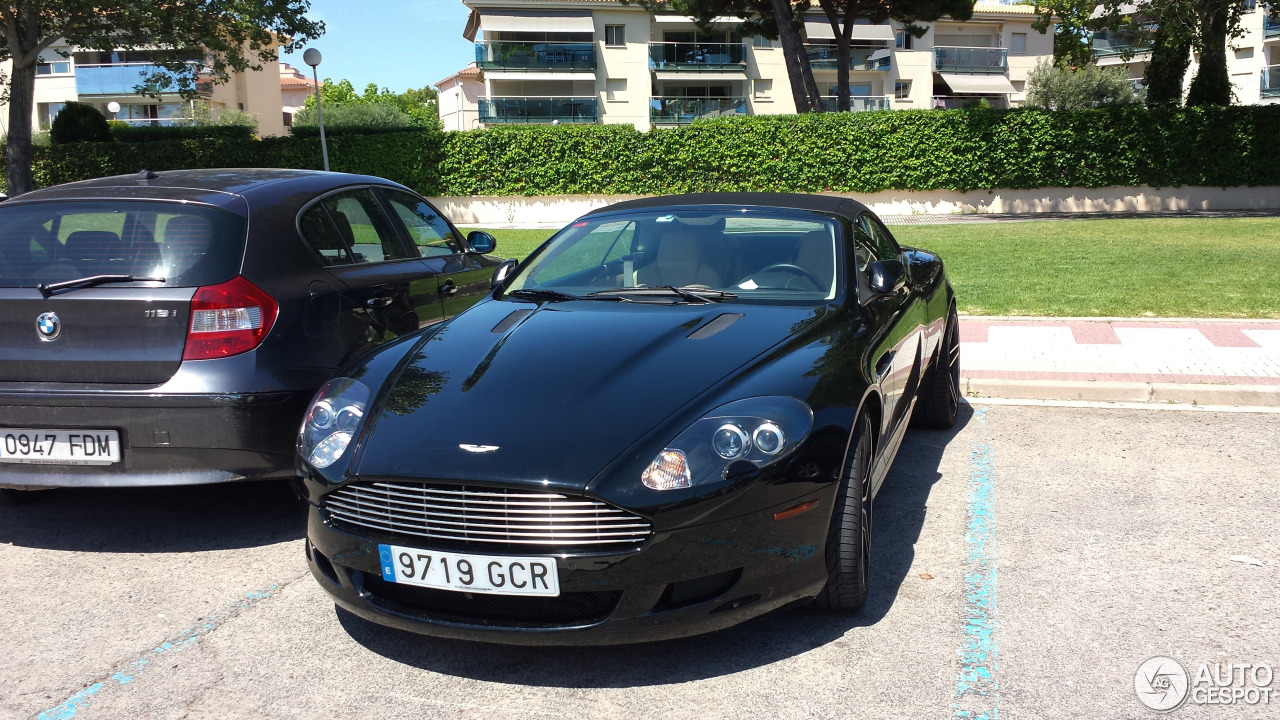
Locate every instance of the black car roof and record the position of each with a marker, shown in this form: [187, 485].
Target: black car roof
[832, 205]
[210, 183]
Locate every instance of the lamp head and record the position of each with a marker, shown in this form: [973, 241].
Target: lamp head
[311, 57]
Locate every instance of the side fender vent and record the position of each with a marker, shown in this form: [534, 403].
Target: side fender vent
[717, 324]
[511, 321]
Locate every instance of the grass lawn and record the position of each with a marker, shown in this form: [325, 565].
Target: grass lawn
[1160, 267]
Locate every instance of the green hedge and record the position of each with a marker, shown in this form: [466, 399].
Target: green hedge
[152, 133]
[845, 152]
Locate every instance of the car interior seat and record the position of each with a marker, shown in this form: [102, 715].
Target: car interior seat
[815, 252]
[186, 242]
[678, 261]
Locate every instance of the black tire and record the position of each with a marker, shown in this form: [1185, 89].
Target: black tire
[940, 389]
[9, 496]
[848, 548]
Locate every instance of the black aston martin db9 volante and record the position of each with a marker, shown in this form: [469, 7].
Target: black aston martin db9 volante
[673, 416]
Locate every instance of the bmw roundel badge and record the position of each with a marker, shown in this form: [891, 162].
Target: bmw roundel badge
[48, 326]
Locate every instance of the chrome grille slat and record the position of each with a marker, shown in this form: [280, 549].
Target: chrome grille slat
[486, 516]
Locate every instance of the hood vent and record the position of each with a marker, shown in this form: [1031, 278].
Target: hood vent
[511, 321]
[717, 324]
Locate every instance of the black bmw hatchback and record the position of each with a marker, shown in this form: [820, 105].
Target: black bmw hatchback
[169, 328]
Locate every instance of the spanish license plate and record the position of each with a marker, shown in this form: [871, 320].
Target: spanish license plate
[59, 447]
[470, 573]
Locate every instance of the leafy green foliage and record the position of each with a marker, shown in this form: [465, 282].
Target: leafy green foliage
[1058, 87]
[78, 122]
[363, 117]
[418, 107]
[124, 132]
[845, 152]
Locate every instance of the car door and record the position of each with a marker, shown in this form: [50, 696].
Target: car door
[900, 320]
[463, 277]
[383, 289]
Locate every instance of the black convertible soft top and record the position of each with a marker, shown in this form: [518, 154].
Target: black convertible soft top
[831, 205]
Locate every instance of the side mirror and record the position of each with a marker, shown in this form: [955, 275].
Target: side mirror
[887, 276]
[481, 242]
[503, 272]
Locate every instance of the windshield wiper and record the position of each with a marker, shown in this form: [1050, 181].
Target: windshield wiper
[47, 289]
[693, 294]
[542, 294]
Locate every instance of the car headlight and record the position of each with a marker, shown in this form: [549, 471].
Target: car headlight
[747, 433]
[332, 421]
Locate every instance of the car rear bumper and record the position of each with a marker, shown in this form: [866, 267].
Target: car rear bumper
[164, 439]
[683, 582]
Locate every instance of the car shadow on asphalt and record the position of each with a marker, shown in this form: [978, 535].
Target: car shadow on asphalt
[899, 517]
[157, 520]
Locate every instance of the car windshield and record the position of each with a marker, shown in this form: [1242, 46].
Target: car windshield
[52, 242]
[724, 253]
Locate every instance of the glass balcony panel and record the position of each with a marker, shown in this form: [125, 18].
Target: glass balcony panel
[823, 57]
[535, 56]
[684, 110]
[970, 59]
[1271, 27]
[857, 103]
[121, 79]
[538, 110]
[1271, 81]
[1106, 46]
[696, 56]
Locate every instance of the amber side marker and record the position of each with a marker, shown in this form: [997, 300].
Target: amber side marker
[797, 510]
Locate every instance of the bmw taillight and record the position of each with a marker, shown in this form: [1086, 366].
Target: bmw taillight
[228, 319]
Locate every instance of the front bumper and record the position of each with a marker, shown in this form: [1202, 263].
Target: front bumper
[164, 439]
[682, 582]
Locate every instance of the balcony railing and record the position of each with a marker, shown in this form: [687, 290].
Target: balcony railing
[1271, 81]
[970, 59]
[538, 110]
[122, 79]
[535, 56]
[960, 102]
[1102, 47]
[684, 110]
[857, 103]
[1271, 27]
[823, 57]
[696, 56]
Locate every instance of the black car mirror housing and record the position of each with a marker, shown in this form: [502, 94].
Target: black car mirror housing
[502, 273]
[481, 242]
[887, 276]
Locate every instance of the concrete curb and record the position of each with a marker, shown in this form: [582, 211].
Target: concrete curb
[1123, 392]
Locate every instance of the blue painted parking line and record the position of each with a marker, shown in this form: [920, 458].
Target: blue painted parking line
[977, 691]
[68, 709]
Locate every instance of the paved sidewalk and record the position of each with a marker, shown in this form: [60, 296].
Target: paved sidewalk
[1198, 362]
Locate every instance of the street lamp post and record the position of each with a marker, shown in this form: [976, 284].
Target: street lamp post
[312, 58]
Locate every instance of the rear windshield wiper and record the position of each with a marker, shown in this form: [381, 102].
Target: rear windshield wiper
[693, 294]
[47, 289]
[542, 294]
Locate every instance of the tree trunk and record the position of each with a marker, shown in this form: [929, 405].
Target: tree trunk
[844, 55]
[22, 91]
[1212, 85]
[793, 52]
[1170, 56]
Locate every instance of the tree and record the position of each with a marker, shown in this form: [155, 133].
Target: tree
[234, 36]
[842, 14]
[1218, 20]
[418, 106]
[1073, 29]
[1062, 87]
[1170, 56]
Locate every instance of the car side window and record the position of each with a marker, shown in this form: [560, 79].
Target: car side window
[428, 231]
[361, 223]
[863, 253]
[885, 247]
[323, 236]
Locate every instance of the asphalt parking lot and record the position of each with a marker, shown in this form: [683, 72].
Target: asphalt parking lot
[1025, 564]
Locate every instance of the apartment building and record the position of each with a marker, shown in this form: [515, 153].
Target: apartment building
[66, 74]
[459, 99]
[1253, 59]
[602, 61]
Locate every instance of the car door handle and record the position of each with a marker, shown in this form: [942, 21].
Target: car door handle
[448, 288]
[882, 365]
[379, 301]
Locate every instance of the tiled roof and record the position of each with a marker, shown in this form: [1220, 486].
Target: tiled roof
[470, 72]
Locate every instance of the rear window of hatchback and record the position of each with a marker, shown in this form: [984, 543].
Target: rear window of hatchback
[187, 245]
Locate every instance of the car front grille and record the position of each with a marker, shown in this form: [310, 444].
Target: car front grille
[458, 516]
[574, 609]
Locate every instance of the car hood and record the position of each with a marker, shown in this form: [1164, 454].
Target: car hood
[552, 393]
